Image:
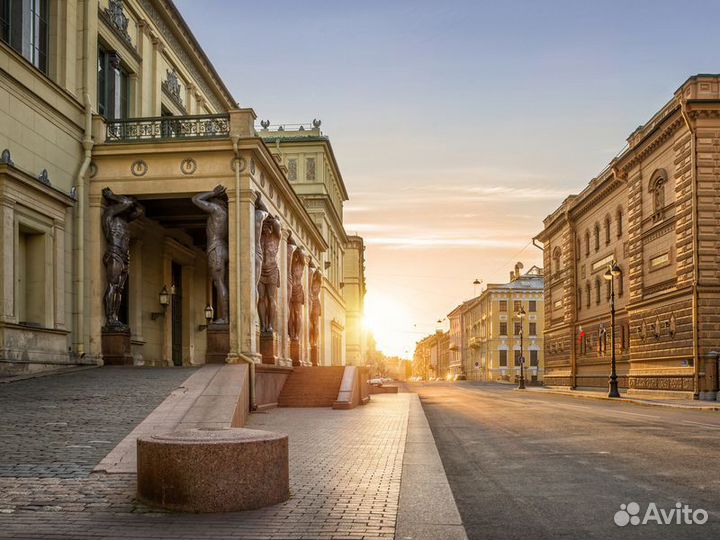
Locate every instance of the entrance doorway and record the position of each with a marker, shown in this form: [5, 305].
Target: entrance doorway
[177, 337]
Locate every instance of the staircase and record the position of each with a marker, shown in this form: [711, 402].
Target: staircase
[311, 387]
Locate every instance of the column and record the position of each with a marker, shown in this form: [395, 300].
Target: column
[59, 277]
[7, 267]
[96, 273]
[283, 311]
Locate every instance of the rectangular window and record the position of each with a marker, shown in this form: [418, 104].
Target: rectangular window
[113, 86]
[517, 306]
[503, 306]
[517, 328]
[31, 266]
[532, 328]
[310, 169]
[24, 26]
[503, 358]
[503, 329]
[533, 358]
[292, 169]
[532, 306]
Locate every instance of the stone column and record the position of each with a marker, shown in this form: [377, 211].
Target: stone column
[244, 322]
[95, 250]
[283, 311]
[7, 267]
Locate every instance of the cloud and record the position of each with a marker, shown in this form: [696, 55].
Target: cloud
[435, 242]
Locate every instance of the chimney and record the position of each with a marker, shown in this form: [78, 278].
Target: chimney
[518, 267]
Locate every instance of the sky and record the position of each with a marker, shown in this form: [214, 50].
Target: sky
[458, 125]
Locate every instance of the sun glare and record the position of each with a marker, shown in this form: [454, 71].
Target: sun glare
[390, 323]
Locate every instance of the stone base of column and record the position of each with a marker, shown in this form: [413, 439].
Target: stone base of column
[295, 352]
[268, 348]
[314, 355]
[218, 343]
[116, 348]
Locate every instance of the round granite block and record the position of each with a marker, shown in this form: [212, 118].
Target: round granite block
[213, 470]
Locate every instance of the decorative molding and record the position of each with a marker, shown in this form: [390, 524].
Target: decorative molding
[642, 150]
[659, 287]
[171, 87]
[6, 158]
[188, 166]
[139, 168]
[115, 16]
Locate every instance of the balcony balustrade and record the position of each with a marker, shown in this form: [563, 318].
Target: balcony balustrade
[168, 128]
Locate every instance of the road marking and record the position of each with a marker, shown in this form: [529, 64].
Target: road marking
[712, 426]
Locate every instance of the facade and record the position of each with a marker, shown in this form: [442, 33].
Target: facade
[496, 337]
[315, 176]
[354, 295]
[654, 211]
[456, 339]
[118, 95]
[431, 358]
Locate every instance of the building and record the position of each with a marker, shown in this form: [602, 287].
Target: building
[456, 338]
[315, 176]
[431, 358]
[106, 99]
[354, 294]
[653, 210]
[495, 337]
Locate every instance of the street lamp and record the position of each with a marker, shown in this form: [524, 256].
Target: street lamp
[521, 315]
[612, 272]
[475, 286]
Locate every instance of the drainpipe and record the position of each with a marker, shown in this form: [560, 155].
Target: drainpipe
[80, 229]
[696, 244]
[249, 361]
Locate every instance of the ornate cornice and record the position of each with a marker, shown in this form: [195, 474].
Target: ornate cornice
[647, 146]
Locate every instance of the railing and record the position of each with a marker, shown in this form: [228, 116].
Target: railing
[168, 128]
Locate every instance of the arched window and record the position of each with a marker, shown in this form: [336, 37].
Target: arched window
[657, 184]
[579, 298]
[619, 221]
[607, 229]
[556, 260]
[620, 287]
[587, 243]
[597, 290]
[588, 294]
[597, 237]
[577, 250]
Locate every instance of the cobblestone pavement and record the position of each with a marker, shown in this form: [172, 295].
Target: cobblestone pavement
[345, 470]
[60, 426]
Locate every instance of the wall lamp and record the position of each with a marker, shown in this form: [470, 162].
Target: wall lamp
[209, 316]
[164, 297]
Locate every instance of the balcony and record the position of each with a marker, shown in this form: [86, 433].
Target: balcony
[474, 342]
[168, 128]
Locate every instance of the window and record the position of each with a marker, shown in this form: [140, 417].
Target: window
[532, 329]
[608, 290]
[517, 357]
[310, 169]
[577, 249]
[556, 260]
[587, 294]
[579, 298]
[24, 26]
[597, 290]
[532, 306]
[658, 194]
[113, 86]
[533, 358]
[292, 169]
[517, 329]
[619, 222]
[620, 285]
[597, 236]
[503, 358]
[503, 329]
[587, 243]
[607, 229]
[517, 306]
[503, 306]
[31, 267]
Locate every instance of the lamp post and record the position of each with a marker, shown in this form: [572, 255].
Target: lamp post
[612, 272]
[521, 315]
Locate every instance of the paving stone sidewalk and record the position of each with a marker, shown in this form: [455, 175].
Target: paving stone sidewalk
[345, 467]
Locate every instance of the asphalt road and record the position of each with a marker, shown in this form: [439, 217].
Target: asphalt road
[524, 465]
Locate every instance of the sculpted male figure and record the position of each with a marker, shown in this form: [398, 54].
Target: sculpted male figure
[261, 212]
[269, 274]
[120, 211]
[215, 204]
[297, 295]
[315, 307]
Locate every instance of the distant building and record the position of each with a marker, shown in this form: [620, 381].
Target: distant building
[653, 210]
[485, 331]
[431, 358]
[353, 290]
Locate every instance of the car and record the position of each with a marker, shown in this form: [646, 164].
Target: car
[375, 382]
[387, 379]
[460, 377]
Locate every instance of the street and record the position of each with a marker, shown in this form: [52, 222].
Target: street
[525, 465]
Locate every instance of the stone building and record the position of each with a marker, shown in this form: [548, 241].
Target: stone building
[118, 94]
[354, 295]
[315, 176]
[490, 329]
[431, 358]
[654, 211]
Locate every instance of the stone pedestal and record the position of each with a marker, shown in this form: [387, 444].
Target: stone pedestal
[268, 348]
[213, 470]
[314, 355]
[116, 348]
[218, 343]
[295, 352]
